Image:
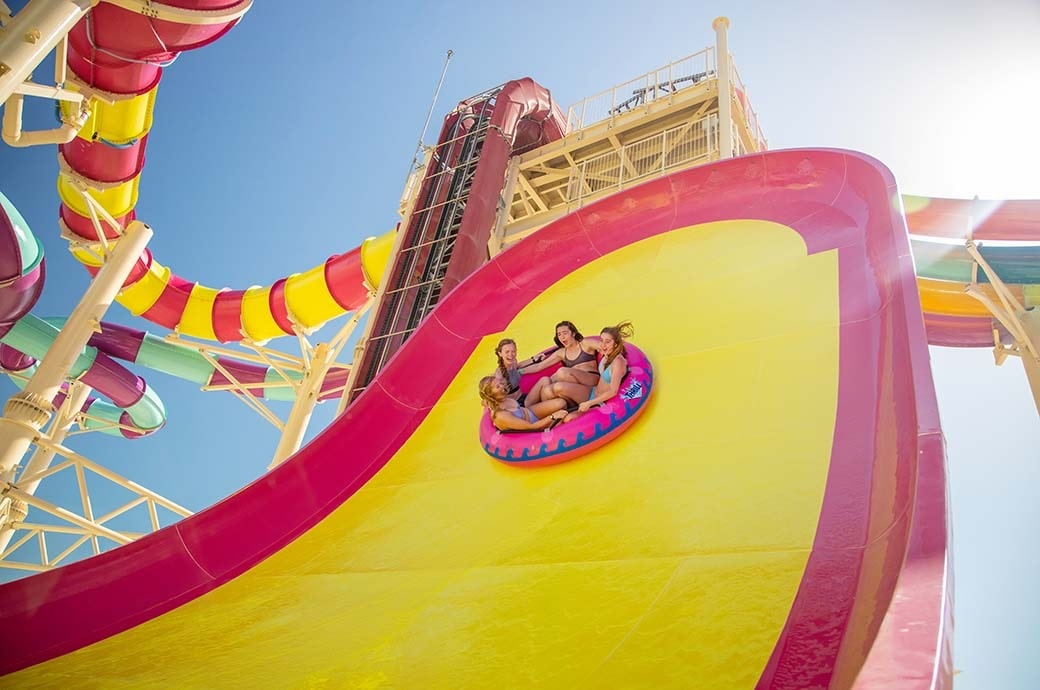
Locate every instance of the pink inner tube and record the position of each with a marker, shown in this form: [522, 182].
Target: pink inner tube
[573, 439]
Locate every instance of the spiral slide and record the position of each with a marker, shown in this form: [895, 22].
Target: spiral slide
[21, 282]
[22, 267]
[117, 57]
[137, 410]
[776, 517]
[1008, 235]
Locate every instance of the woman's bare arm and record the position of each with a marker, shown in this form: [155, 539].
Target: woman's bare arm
[533, 359]
[505, 421]
[549, 360]
[617, 372]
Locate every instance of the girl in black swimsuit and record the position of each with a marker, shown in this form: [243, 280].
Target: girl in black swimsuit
[576, 353]
[612, 370]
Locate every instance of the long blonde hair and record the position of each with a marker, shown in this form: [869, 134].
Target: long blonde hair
[487, 395]
[619, 333]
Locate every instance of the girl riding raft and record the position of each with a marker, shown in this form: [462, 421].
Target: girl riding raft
[623, 384]
[508, 415]
[573, 383]
[612, 369]
[577, 357]
[509, 369]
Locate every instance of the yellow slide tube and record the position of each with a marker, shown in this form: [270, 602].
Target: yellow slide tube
[121, 122]
[308, 296]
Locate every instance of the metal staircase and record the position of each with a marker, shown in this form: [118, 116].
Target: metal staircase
[417, 276]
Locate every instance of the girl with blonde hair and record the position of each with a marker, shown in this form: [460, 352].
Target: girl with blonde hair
[509, 415]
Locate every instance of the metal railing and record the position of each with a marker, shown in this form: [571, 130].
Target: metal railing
[744, 103]
[738, 144]
[71, 529]
[672, 148]
[655, 85]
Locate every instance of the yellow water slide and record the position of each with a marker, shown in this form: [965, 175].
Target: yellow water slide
[749, 530]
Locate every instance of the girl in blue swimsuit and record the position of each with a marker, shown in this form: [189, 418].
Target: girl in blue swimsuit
[612, 369]
[508, 415]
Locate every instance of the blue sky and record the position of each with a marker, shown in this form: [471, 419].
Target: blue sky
[290, 138]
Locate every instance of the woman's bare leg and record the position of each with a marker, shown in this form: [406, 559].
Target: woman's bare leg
[574, 392]
[571, 375]
[546, 408]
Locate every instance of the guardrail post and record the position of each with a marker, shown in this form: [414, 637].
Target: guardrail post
[41, 459]
[1031, 326]
[1023, 324]
[725, 87]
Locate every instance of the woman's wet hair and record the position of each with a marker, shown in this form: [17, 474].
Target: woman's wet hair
[575, 333]
[619, 333]
[498, 353]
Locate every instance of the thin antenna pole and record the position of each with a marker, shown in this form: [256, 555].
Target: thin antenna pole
[429, 114]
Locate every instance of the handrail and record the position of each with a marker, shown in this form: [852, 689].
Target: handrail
[673, 148]
[744, 103]
[653, 85]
